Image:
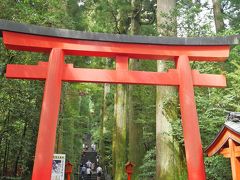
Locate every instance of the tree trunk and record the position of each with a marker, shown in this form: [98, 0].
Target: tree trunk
[120, 109]
[114, 136]
[218, 16]
[135, 133]
[164, 7]
[6, 121]
[166, 167]
[167, 151]
[121, 132]
[20, 150]
[5, 159]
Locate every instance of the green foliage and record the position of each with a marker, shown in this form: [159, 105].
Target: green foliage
[19, 114]
[218, 168]
[20, 101]
[47, 13]
[190, 19]
[147, 170]
[231, 13]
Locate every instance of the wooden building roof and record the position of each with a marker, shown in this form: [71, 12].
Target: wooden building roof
[230, 130]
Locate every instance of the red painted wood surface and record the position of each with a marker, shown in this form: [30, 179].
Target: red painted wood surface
[191, 133]
[68, 176]
[218, 146]
[121, 76]
[68, 170]
[235, 162]
[227, 143]
[121, 63]
[27, 42]
[49, 115]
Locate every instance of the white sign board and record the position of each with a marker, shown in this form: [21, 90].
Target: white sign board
[58, 167]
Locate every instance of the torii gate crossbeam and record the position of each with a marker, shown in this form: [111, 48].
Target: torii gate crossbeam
[121, 49]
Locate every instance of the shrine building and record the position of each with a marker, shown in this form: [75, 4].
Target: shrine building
[227, 143]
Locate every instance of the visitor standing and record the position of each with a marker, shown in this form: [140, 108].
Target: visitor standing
[83, 171]
[93, 146]
[92, 166]
[99, 172]
[89, 172]
[89, 164]
[86, 147]
[97, 158]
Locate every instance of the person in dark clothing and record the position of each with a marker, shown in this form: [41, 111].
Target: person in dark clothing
[83, 170]
[97, 158]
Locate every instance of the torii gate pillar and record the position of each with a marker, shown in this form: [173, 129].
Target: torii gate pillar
[191, 133]
[49, 116]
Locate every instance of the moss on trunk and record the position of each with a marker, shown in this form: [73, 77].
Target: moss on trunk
[120, 132]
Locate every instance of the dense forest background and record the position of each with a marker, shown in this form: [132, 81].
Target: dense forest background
[127, 122]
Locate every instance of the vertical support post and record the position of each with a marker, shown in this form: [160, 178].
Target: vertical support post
[49, 117]
[191, 132]
[68, 176]
[122, 63]
[235, 163]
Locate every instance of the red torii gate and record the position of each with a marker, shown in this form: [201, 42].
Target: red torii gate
[60, 43]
